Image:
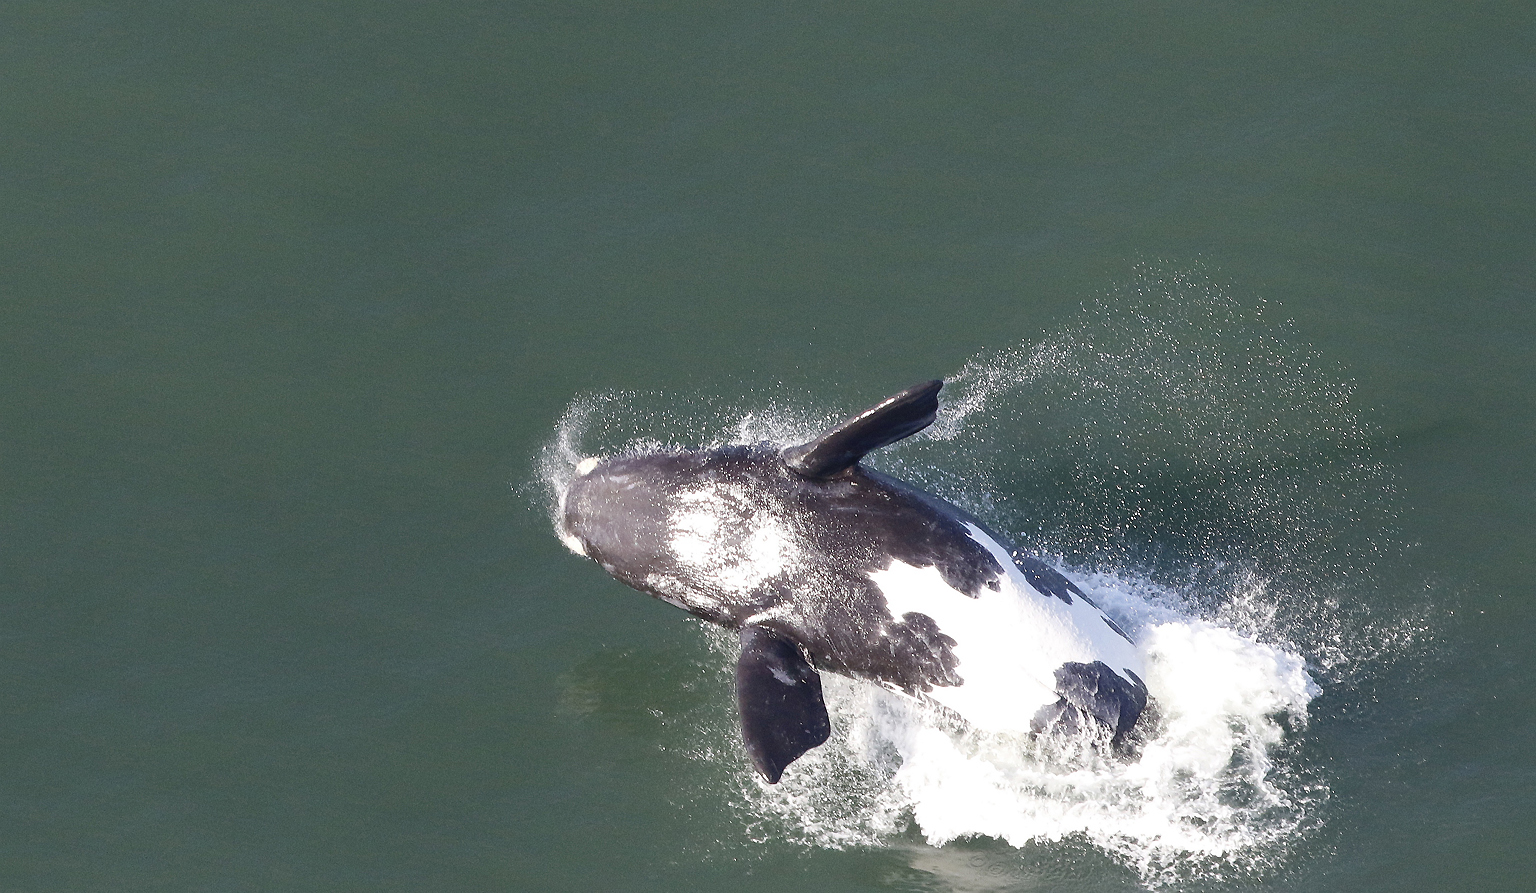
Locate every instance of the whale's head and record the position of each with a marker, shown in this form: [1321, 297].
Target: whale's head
[616, 511]
[707, 530]
[721, 531]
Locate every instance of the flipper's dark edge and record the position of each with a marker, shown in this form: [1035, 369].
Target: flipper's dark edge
[779, 693]
[841, 447]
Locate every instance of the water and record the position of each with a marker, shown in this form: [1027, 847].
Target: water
[1236, 305]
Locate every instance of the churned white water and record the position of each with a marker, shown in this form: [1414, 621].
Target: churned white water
[1209, 786]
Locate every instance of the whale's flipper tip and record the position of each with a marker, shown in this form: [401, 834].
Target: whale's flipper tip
[842, 446]
[779, 693]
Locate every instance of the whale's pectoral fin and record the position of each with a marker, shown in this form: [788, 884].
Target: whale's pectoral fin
[779, 693]
[841, 447]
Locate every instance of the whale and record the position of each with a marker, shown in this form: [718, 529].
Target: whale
[820, 564]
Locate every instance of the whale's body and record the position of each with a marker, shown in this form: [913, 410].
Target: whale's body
[822, 564]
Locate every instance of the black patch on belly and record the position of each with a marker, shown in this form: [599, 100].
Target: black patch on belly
[1093, 693]
[1049, 582]
[918, 643]
[850, 630]
[887, 519]
[1046, 579]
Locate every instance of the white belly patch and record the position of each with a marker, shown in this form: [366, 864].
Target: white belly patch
[1009, 642]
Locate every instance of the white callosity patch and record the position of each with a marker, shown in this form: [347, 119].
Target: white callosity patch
[1009, 642]
[572, 542]
[728, 542]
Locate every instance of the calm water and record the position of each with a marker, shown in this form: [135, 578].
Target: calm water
[294, 296]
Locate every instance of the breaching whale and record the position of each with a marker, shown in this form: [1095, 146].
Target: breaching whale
[822, 564]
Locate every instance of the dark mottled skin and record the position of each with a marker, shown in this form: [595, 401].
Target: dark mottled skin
[848, 527]
[781, 544]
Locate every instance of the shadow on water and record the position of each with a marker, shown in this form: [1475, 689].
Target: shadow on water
[654, 694]
[985, 866]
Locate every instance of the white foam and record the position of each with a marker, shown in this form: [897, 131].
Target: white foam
[1207, 786]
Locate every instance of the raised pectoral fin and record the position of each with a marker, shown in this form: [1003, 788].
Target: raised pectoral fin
[842, 446]
[779, 693]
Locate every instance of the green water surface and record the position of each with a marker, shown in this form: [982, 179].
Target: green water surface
[292, 294]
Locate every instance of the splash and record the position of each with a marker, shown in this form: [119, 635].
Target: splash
[1215, 787]
[1206, 481]
[1169, 424]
